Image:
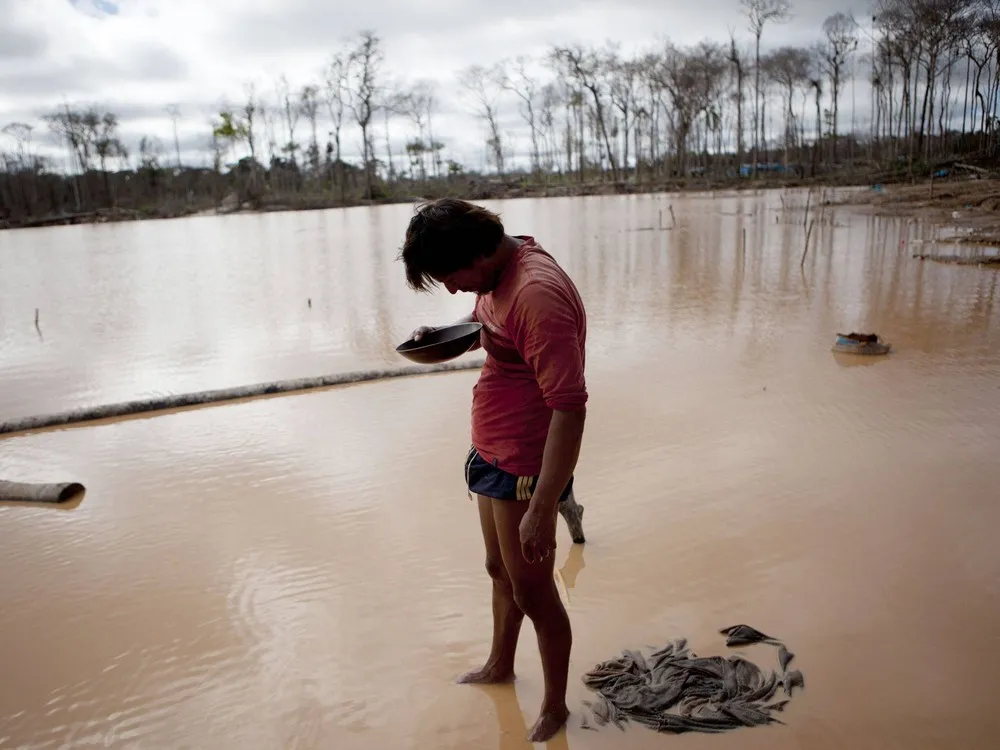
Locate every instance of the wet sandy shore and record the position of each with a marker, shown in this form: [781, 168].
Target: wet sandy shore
[965, 209]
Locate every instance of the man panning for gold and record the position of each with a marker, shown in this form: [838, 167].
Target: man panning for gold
[528, 413]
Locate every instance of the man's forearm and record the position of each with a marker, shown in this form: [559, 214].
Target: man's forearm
[562, 449]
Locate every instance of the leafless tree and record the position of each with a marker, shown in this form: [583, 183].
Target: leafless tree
[421, 104]
[816, 84]
[981, 44]
[268, 113]
[108, 145]
[652, 92]
[693, 78]
[364, 63]
[624, 76]
[841, 31]
[759, 13]
[789, 68]
[525, 87]
[585, 67]
[309, 105]
[250, 110]
[175, 113]
[484, 86]
[394, 102]
[739, 62]
[291, 111]
[939, 24]
[150, 150]
[69, 126]
[550, 100]
[415, 105]
[20, 133]
[336, 94]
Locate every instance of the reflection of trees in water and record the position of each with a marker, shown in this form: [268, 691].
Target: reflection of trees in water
[641, 287]
[985, 297]
[738, 270]
[676, 284]
[324, 278]
[929, 306]
[380, 274]
[361, 284]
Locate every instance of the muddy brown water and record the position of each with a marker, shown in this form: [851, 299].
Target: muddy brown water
[306, 571]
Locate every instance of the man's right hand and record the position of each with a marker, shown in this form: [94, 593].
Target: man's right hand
[421, 331]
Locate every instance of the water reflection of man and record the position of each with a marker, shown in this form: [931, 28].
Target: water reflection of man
[510, 720]
[528, 413]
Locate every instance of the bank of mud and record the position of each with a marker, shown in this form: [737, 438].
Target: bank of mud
[965, 209]
[468, 188]
[968, 205]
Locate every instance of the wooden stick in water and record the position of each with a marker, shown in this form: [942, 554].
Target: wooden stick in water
[806, 248]
[37, 492]
[222, 395]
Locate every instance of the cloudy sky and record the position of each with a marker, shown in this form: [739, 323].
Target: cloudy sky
[135, 57]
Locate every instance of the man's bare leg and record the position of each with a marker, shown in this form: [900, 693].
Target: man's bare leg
[507, 616]
[536, 594]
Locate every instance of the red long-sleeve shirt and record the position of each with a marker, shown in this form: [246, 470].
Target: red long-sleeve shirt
[534, 334]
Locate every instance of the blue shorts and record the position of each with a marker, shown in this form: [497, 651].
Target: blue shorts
[486, 479]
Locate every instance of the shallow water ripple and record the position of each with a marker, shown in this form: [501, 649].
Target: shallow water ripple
[307, 571]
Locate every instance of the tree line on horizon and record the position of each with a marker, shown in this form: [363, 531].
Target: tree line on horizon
[596, 119]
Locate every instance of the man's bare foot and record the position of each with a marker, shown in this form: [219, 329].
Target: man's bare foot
[488, 675]
[550, 721]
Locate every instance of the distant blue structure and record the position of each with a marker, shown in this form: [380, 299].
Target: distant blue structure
[747, 169]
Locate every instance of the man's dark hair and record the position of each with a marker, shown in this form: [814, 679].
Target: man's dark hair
[447, 235]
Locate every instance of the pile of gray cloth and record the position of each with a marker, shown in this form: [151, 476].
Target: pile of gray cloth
[672, 690]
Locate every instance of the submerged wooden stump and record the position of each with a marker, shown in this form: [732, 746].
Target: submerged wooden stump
[572, 512]
[27, 492]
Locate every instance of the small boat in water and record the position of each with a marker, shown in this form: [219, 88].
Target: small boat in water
[860, 343]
